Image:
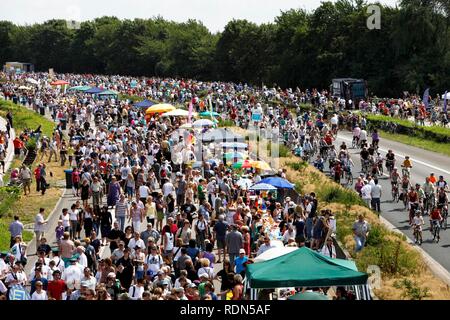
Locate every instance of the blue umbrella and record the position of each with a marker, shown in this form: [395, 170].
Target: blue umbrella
[144, 104]
[278, 182]
[262, 187]
[94, 90]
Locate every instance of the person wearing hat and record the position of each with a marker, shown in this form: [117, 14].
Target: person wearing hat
[192, 292]
[37, 277]
[82, 259]
[240, 262]
[16, 276]
[72, 274]
[59, 263]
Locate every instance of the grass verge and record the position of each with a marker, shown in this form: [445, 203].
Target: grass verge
[27, 206]
[443, 148]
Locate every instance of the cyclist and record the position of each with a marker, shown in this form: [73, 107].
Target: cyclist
[363, 138]
[417, 226]
[319, 163]
[364, 158]
[413, 199]
[307, 148]
[421, 195]
[323, 147]
[375, 139]
[337, 171]
[356, 133]
[441, 183]
[432, 178]
[407, 166]
[429, 190]
[435, 218]
[442, 199]
[390, 160]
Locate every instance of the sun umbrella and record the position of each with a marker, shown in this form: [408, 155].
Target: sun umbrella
[244, 183]
[233, 155]
[32, 81]
[144, 104]
[59, 83]
[24, 88]
[160, 108]
[262, 165]
[186, 126]
[203, 123]
[308, 296]
[108, 93]
[94, 90]
[278, 182]
[246, 164]
[262, 187]
[208, 114]
[79, 88]
[233, 145]
[273, 253]
[178, 113]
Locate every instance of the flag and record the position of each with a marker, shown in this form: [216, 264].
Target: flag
[190, 112]
[426, 94]
[445, 101]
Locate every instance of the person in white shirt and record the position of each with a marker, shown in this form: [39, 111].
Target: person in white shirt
[289, 234]
[39, 294]
[89, 279]
[366, 193]
[167, 189]
[136, 291]
[72, 275]
[39, 227]
[16, 276]
[82, 259]
[144, 193]
[136, 242]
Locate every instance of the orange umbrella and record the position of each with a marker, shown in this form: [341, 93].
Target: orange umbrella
[59, 83]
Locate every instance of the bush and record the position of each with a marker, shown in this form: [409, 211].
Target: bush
[31, 144]
[283, 151]
[226, 123]
[298, 166]
[334, 193]
[435, 133]
[411, 289]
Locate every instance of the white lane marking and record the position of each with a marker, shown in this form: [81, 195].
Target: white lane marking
[415, 160]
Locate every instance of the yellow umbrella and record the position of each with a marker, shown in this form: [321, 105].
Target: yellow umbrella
[262, 165]
[160, 108]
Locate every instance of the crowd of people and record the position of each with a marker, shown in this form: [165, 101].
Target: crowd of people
[153, 218]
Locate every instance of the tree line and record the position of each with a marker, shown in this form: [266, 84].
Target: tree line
[306, 49]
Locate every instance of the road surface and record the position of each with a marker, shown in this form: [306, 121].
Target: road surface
[424, 162]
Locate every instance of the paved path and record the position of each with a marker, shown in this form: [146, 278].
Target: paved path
[10, 152]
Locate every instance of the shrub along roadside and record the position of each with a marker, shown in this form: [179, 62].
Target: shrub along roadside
[434, 133]
[389, 250]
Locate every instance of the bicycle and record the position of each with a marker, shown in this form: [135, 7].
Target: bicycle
[436, 229]
[406, 172]
[395, 193]
[365, 166]
[444, 217]
[417, 234]
[348, 176]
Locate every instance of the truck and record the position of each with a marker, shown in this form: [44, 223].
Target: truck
[349, 89]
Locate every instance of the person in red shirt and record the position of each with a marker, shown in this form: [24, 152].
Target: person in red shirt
[435, 216]
[18, 145]
[56, 287]
[328, 139]
[37, 177]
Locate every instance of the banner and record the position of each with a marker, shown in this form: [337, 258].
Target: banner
[426, 94]
[445, 101]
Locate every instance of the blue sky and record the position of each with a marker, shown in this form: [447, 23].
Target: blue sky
[213, 13]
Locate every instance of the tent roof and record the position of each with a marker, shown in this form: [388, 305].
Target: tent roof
[304, 268]
[144, 104]
[108, 93]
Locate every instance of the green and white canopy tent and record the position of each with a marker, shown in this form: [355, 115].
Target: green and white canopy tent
[304, 268]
